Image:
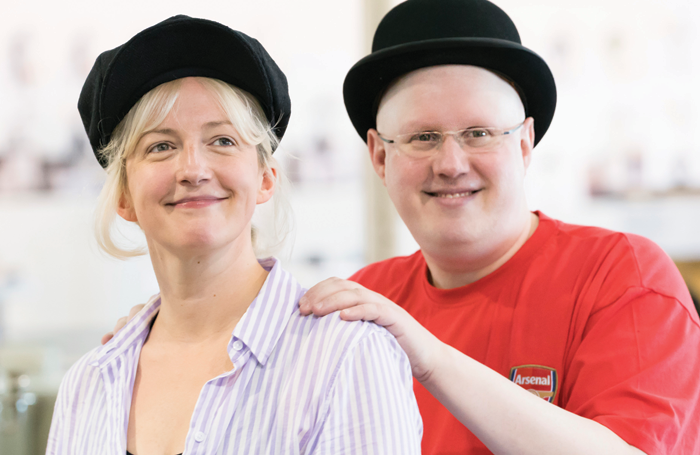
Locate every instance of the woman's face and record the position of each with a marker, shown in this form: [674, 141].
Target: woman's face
[192, 183]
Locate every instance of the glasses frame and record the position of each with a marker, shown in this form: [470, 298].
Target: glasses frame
[495, 132]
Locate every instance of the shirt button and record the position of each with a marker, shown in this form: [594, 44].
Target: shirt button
[238, 345]
[199, 437]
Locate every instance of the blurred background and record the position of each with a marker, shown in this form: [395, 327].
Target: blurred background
[622, 153]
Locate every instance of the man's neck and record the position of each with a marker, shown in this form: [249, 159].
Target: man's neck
[453, 273]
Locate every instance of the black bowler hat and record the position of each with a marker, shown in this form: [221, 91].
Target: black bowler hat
[175, 48]
[422, 33]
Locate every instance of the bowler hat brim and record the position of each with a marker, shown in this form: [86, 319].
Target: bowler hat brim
[369, 78]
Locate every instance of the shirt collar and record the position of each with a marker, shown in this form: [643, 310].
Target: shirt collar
[133, 333]
[263, 323]
[259, 329]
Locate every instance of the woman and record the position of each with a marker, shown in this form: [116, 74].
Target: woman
[185, 117]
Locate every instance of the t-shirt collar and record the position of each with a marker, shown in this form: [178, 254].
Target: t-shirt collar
[527, 252]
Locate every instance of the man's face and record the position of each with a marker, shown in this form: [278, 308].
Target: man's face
[458, 197]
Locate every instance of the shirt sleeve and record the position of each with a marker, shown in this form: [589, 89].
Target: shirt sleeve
[57, 428]
[71, 416]
[637, 372]
[372, 408]
[61, 432]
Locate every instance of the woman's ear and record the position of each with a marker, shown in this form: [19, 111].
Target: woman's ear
[125, 208]
[268, 185]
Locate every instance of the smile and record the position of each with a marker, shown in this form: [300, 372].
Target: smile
[452, 195]
[195, 202]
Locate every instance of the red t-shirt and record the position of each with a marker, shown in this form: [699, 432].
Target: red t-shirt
[595, 321]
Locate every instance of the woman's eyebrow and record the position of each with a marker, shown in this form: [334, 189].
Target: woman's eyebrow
[172, 132]
[167, 131]
[219, 123]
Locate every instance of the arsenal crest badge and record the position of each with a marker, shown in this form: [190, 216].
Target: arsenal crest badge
[536, 379]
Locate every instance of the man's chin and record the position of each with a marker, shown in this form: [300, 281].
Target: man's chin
[450, 233]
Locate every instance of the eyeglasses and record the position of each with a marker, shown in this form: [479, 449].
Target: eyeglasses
[422, 144]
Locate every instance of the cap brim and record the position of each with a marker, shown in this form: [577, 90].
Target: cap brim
[369, 77]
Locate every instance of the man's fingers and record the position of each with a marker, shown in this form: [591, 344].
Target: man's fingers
[134, 311]
[365, 312]
[315, 297]
[379, 313]
[106, 337]
[121, 322]
[343, 299]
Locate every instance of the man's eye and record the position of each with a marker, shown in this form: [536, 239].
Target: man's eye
[224, 141]
[476, 134]
[425, 137]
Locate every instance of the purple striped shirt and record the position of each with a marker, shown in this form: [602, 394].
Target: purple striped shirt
[299, 385]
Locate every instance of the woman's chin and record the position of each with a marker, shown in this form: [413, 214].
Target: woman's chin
[195, 240]
[195, 245]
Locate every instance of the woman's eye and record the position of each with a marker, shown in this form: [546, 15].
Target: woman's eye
[224, 141]
[162, 147]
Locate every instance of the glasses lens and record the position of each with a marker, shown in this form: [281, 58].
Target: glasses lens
[477, 137]
[422, 141]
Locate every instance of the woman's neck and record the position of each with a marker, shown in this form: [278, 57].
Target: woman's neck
[203, 296]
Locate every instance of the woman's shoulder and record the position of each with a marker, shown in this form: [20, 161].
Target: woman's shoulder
[83, 373]
[116, 356]
[86, 364]
[337, 340]
[333, 325]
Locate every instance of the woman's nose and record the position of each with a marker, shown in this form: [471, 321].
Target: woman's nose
[193, 166]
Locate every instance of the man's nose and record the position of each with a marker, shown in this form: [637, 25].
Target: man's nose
[193, 166]
[451, 159]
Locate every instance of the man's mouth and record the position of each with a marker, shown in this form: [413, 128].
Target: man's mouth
[451, 195]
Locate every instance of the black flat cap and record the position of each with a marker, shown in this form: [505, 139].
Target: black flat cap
[175, 48]
[422, 33]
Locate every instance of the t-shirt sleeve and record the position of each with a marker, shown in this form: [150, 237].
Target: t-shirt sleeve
[637, 372]
[372, 406]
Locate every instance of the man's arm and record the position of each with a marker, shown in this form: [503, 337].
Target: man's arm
[503, 415]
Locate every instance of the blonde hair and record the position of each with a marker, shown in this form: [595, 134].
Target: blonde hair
[242, 109]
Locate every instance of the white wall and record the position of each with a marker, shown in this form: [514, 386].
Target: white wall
[626, 70]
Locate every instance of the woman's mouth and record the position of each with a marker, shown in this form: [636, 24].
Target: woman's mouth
[195, 202]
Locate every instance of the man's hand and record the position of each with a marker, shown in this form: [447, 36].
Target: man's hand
[357, 302]
[121, 322]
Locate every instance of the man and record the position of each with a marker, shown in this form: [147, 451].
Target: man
[598, 326]
[526, 335]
